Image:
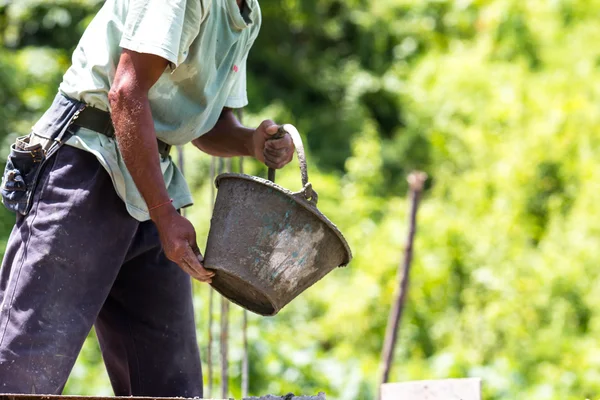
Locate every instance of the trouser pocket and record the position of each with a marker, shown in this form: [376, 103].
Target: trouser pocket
[29, 154]
[21, 173]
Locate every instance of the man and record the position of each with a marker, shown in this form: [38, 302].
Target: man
[103, 242]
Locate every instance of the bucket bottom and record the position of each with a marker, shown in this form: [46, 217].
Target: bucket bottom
[242, 293]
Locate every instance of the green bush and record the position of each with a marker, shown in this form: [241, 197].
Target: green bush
[496, 99]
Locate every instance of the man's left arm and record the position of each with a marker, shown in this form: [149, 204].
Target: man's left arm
[229, 138]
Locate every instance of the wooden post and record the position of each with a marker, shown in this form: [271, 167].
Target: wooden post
[416, 181]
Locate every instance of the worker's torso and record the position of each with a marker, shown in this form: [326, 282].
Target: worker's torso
[206, 41]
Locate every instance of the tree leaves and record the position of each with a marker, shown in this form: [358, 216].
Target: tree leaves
[496, 100]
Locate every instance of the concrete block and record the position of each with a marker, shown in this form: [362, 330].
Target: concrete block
[290, 396]
[444, 389]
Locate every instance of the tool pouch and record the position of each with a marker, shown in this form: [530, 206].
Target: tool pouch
[20, 174]
[30, 153]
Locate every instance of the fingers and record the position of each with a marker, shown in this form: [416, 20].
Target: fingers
[268, 127]
[272, 129]
[178, 238]
[196, 249]
[197, 252]
[285, 142]
[277, 160]
[192, 261]
[278, 152]
[188, 270]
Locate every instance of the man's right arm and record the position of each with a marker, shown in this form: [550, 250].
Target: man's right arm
[134, 130]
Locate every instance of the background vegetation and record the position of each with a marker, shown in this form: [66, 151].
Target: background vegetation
[498, 100]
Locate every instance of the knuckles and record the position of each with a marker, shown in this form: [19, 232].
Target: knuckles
[265, 124]
[277, 153]
[278, 158]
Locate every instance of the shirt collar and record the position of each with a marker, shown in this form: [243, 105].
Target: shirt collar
[241, 20]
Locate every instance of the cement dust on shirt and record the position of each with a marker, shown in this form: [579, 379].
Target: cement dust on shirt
[207, 44]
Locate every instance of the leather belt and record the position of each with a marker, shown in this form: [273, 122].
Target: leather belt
[99, 121]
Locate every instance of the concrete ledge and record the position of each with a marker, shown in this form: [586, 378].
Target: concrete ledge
[320, 396]
[290, 396]
[444, 389]
[55, 397]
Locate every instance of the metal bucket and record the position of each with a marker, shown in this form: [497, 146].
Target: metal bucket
[267, 244]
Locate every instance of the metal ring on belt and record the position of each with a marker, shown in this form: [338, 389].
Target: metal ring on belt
[99, 121]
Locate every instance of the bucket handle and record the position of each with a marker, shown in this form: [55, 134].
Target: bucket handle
[307, 193]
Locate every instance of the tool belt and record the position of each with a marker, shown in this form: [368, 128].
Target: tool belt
[100, 121]
[28, 154]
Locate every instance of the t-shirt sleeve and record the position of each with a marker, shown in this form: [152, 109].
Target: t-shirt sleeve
[163, 28]
[238, 97]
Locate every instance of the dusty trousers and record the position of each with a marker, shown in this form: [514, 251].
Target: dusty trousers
[78, 259]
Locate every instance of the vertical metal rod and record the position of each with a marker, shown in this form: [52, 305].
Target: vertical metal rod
[181, 165]
[224, 348]
[211, 294]
[180, 159]
[416, 180]
[209, 357]
[245, 365]
[213, 167]
[245, 359]
[224, 320]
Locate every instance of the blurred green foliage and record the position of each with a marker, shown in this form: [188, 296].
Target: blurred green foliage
[496, 99]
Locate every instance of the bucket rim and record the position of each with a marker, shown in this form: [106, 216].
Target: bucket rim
[299, 200]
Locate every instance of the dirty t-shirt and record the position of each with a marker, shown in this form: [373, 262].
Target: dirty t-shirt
[206, 43]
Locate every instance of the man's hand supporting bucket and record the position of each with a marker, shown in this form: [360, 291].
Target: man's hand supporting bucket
[229, 138]
[136, 137]
[275, 153]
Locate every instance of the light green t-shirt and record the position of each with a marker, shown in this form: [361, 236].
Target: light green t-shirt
[207, 44]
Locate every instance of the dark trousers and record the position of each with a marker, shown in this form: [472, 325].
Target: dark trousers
[79, 259]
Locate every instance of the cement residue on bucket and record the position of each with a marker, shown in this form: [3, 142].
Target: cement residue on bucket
[292, 267]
